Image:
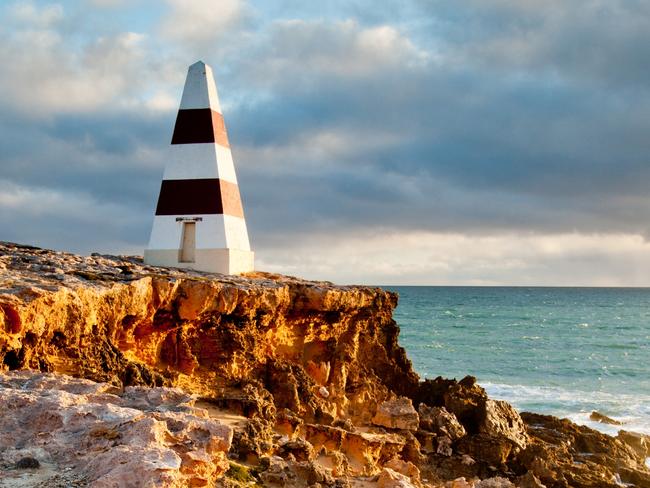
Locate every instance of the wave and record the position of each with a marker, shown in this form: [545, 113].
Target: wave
[633, 411]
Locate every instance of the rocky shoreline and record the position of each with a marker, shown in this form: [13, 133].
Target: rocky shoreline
[114, 373]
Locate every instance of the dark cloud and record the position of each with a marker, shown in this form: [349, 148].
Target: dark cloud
[488, 150]
[586, 40]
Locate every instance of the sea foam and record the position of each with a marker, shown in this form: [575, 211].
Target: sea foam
[633, 411]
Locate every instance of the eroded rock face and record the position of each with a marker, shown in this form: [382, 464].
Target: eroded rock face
[323, 351]
[139, 437]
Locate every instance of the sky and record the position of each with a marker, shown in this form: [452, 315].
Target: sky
[434, 142]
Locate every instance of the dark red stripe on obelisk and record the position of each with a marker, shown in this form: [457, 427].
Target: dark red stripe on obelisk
[200, 125]
[199, 197]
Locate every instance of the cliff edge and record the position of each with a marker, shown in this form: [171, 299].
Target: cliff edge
[260, 379]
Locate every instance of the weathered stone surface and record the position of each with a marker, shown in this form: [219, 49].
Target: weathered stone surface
[460, 482]
[639, 442]
[496, 482]
[142, 437]
[500, 420]
[389, 478]
[495, 451]
[300, 449]
[561, 453]
[397, 414]
[529, 480]
[444, 446]
[441, 422]
[463, 398]
[406, 468]
[366, 452]
[291, 474]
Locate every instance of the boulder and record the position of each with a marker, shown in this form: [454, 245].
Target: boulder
[603, 419]
[397, 414]
[501, 420]
[440, 421]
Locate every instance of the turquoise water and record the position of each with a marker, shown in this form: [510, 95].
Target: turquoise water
[562, 351]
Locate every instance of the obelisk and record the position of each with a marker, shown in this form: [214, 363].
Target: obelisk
[199, 222]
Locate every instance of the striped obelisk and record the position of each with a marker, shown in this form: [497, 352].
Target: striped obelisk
[199, 221]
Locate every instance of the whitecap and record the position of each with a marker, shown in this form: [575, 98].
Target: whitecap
[633, 411]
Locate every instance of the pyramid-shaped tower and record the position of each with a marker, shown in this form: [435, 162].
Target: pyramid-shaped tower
[199, 222]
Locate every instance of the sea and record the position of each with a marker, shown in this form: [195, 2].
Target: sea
[559, 351]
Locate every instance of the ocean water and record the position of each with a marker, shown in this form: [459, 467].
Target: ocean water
[560, 351]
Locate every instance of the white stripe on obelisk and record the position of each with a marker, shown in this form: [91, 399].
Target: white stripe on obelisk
[200, 89]
[195, 161]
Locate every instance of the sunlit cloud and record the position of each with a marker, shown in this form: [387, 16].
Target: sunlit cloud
[427, 258]
[197, 22]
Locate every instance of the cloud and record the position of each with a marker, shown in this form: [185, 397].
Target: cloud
[581, 41]
[67, 70]
[73, 221]
[343, 49]
[201, 22]
[292, 56]
[30, 14]
[386, 257]
[429, 146]
[55, 80]
[117, 158]
[108, 3]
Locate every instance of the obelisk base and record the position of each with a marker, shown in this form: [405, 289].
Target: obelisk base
[225, 261]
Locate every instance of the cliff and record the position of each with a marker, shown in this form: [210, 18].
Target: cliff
[300, 382]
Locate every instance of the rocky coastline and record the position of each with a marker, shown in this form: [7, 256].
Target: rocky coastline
[114, 373]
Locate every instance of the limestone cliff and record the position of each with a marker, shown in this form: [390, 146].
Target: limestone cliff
[116, 320]
[313, 371]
